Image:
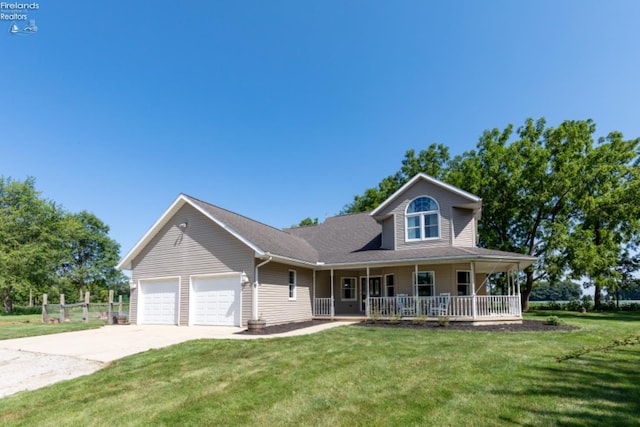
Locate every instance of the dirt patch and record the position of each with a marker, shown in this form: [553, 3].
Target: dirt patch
[526, 326]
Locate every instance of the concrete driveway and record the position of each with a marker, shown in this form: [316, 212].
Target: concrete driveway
[34, 362]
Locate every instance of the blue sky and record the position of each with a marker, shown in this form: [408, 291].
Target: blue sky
[279, 110]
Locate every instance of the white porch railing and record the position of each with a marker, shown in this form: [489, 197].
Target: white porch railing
[323, 307]
[449, 306]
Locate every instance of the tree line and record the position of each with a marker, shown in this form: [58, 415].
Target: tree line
[556, 193]
[45, 249]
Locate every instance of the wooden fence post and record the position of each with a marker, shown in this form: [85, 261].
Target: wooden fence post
[44, 308]
[110, 314]
[61, 308]
[85, 307]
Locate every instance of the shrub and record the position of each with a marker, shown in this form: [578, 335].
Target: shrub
[443, 321]
[553, 320]
[20, 310]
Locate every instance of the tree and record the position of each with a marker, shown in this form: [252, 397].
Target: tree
[607, 214]
[433, 161]
[527, 187]
[29, 240]
[306, 222]
[89, 255]
[561, 291]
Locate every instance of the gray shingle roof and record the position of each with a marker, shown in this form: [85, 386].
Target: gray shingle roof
[265, 237]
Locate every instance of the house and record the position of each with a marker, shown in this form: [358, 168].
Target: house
[414, 255]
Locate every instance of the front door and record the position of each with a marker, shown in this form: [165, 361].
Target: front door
[375, 289]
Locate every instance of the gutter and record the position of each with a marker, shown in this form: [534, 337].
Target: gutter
[254, 290]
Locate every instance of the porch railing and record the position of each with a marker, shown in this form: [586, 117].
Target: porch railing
[469, 307]
[449, 306]
[323, 307]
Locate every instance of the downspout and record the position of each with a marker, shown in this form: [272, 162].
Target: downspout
[254, 290]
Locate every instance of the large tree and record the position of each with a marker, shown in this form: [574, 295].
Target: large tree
[29, 240]
[89, 254]
[607, 214]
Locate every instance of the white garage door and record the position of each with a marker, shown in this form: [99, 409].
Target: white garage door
[159, 302]
[216, 301]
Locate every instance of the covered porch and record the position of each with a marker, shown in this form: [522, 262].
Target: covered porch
[426, 291]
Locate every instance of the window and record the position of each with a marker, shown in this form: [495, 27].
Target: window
[422, 219]
[348, 289]
[463, 282]
[388, 283]
[292, 285]
[424, 283]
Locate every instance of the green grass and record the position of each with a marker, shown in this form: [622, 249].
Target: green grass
[356, 376]
[31, 325]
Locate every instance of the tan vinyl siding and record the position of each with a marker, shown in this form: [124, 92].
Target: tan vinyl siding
[388, 233]
[274, 304]
[203, 248]
[463, 227]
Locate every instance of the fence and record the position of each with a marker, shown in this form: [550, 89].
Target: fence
[104, 312]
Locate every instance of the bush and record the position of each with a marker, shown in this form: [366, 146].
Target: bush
[20, 310]
[553, 320]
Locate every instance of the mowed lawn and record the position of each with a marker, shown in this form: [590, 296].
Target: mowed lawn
[31, 325]
[357, 376]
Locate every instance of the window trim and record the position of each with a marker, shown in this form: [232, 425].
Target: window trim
[432, 285]
[293, 286]
[460, 283]
[355, 288]
[421, 215]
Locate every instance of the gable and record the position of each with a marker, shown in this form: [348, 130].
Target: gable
[423, 184]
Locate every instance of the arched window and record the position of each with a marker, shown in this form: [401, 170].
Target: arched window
[423, 219]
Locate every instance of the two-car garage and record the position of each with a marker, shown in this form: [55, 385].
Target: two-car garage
[213, 300]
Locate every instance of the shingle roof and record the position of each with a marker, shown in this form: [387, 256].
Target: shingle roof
[340, 236]
[356, 238]
[265, 237]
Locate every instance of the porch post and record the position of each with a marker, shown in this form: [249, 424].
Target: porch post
[414, 291]
[367, 309]
[474, 308]
[313, 280]
[333, 313]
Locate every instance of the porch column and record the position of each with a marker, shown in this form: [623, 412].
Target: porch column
[313, 302]
[474, 308]
[333, 313]
[415, 281]
[367, 310]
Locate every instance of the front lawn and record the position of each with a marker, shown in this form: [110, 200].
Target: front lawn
[361, 376]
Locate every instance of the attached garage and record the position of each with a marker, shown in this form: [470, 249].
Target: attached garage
[158, 301]
[216, 300]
